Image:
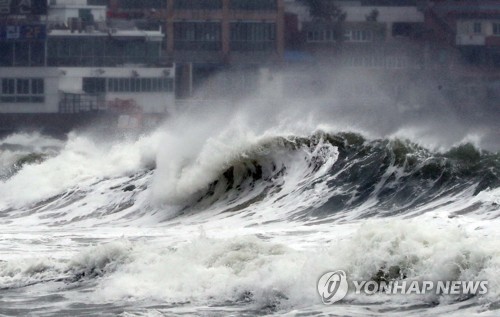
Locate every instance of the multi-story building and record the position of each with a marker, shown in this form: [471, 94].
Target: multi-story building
[369, 37]
[68, 59]
[465, 45]
[369, 52]
[204, 36]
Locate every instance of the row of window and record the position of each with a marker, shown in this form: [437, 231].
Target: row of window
[190, 4]
[253, 36]
[22, 53]
[143, 4]
[253, 4]
[22, 90]
[198, 4]
[377, 61]
[140, 84]
[102, 85]
[477, 28]
[329, 35]
[92, 51]
[207, 36]
[197, 36]
[358, 36]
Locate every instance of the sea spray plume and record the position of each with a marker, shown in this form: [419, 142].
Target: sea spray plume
[201, 143]
[82, 160]
[298, 177]
[197, 147]
[193, 155]
[20, 149]
[390, 175]
[358, 100]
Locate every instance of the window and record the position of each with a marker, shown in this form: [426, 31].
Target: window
[24, 90]
[253, 5]
[496, 28]
[140, 85]
[135, 85]
[358, 36]
[94, 85]
[8, 86]
[6, 54]
[330, 36]
[101, 51]
[402, 29]
[37, 90]
[22, 53]
[477, 27]
[145, 84]
[143, 4]
[197, 36]
[23, 86]
[8, 90]
[253, 36]
[97, 2]
[321, 35]
[198, 4]
[37, 55]
[314, 36]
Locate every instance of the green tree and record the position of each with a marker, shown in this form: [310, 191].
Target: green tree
[325, 10]
[373, 16]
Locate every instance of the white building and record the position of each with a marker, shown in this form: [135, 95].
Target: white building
[395, 18]
[70, 61]
[477, 31]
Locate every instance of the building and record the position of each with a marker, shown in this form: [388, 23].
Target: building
[69, 59]
[464, 44]
[207, 36]
[369, 37]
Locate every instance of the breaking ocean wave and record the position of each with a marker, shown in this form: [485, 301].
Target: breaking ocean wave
[239, 222]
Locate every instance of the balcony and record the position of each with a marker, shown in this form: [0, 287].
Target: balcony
[81, 102]
[470, 39]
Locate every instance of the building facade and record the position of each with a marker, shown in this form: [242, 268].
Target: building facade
[205, 37]
[369, 37]
[68, 59]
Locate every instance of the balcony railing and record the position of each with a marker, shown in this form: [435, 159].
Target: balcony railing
[470, 39]
[76, 103]
[197, 45]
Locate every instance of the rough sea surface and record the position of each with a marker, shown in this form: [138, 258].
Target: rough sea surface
[231, 220]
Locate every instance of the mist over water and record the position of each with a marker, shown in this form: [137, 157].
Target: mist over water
[238, 204]
[402, 104]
